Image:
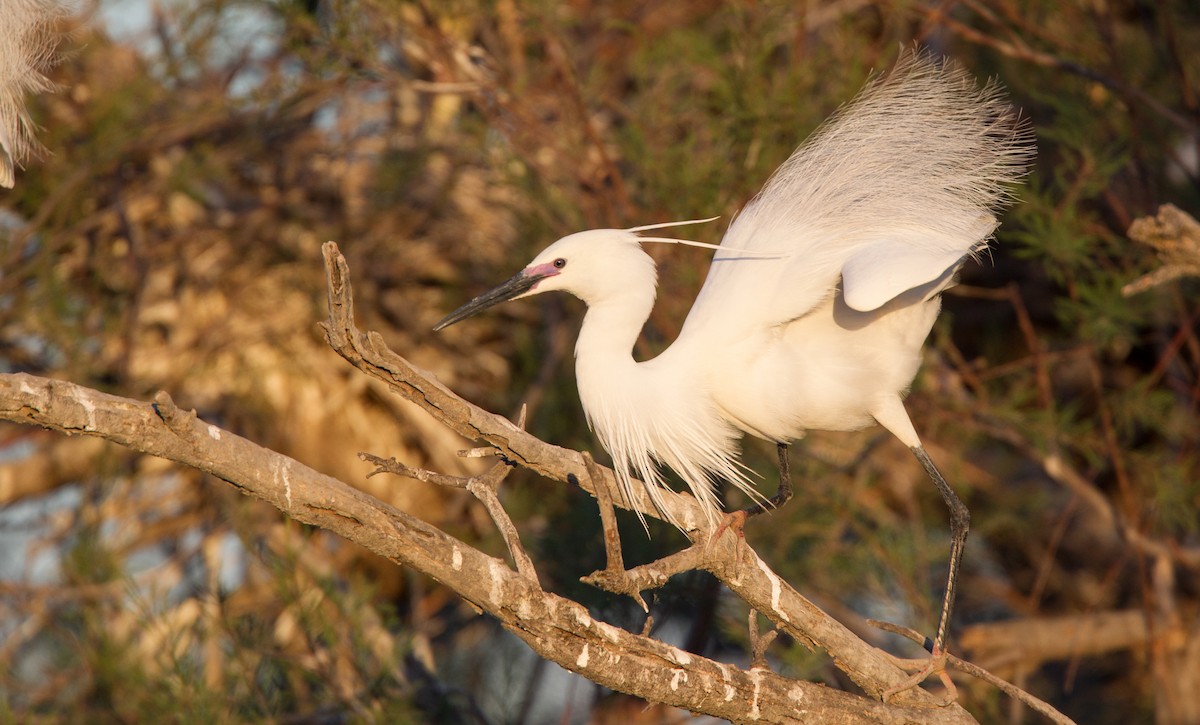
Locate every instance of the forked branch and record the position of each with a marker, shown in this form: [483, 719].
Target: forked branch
[734, 563]
[556, 628]
[484, 488]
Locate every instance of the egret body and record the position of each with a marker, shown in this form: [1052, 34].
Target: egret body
[818, 299]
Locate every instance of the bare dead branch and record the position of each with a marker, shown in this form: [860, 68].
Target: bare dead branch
[613, 577]
[556, 628]
[484, 488]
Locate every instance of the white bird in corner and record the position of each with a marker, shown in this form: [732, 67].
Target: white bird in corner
[29, 39]
[818, 299]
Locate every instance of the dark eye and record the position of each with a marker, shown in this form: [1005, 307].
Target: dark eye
[560, 263]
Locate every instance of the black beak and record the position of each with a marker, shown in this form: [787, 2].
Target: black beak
[520, 283]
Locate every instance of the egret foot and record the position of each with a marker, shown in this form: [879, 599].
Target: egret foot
[935, 665]
[736, 521]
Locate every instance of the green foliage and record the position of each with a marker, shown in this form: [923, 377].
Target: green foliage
[231, 664]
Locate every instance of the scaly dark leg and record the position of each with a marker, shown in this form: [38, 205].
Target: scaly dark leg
[737, 519]
[960, 523]
[783, 494]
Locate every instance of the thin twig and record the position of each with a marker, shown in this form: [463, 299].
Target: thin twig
[391, 465]
[484, 488]
[759, 642]
[613, 577]
[956, 663]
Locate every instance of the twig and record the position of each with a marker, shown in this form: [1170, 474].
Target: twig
[485, 488]
[391, 465]
[759, 642]
[613, 577]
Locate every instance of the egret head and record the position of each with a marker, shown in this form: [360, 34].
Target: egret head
[594, 265]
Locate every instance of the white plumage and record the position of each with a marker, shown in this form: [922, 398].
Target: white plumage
[820, 297]
[818, 300]
[28, 41]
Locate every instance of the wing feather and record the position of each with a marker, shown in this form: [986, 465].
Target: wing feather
[897, 187]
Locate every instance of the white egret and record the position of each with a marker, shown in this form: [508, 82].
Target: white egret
[818, 299]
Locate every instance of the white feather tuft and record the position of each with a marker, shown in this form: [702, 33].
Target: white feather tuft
[29, 41]
[646, 419]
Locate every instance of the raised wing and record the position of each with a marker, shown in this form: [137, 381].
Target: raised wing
[897, 187]
[878, 272]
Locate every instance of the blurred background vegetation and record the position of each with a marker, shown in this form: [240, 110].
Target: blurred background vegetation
[171, 241]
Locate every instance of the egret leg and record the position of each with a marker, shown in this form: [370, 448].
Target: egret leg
[960, 523]
[737, 519]
[783, 494]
